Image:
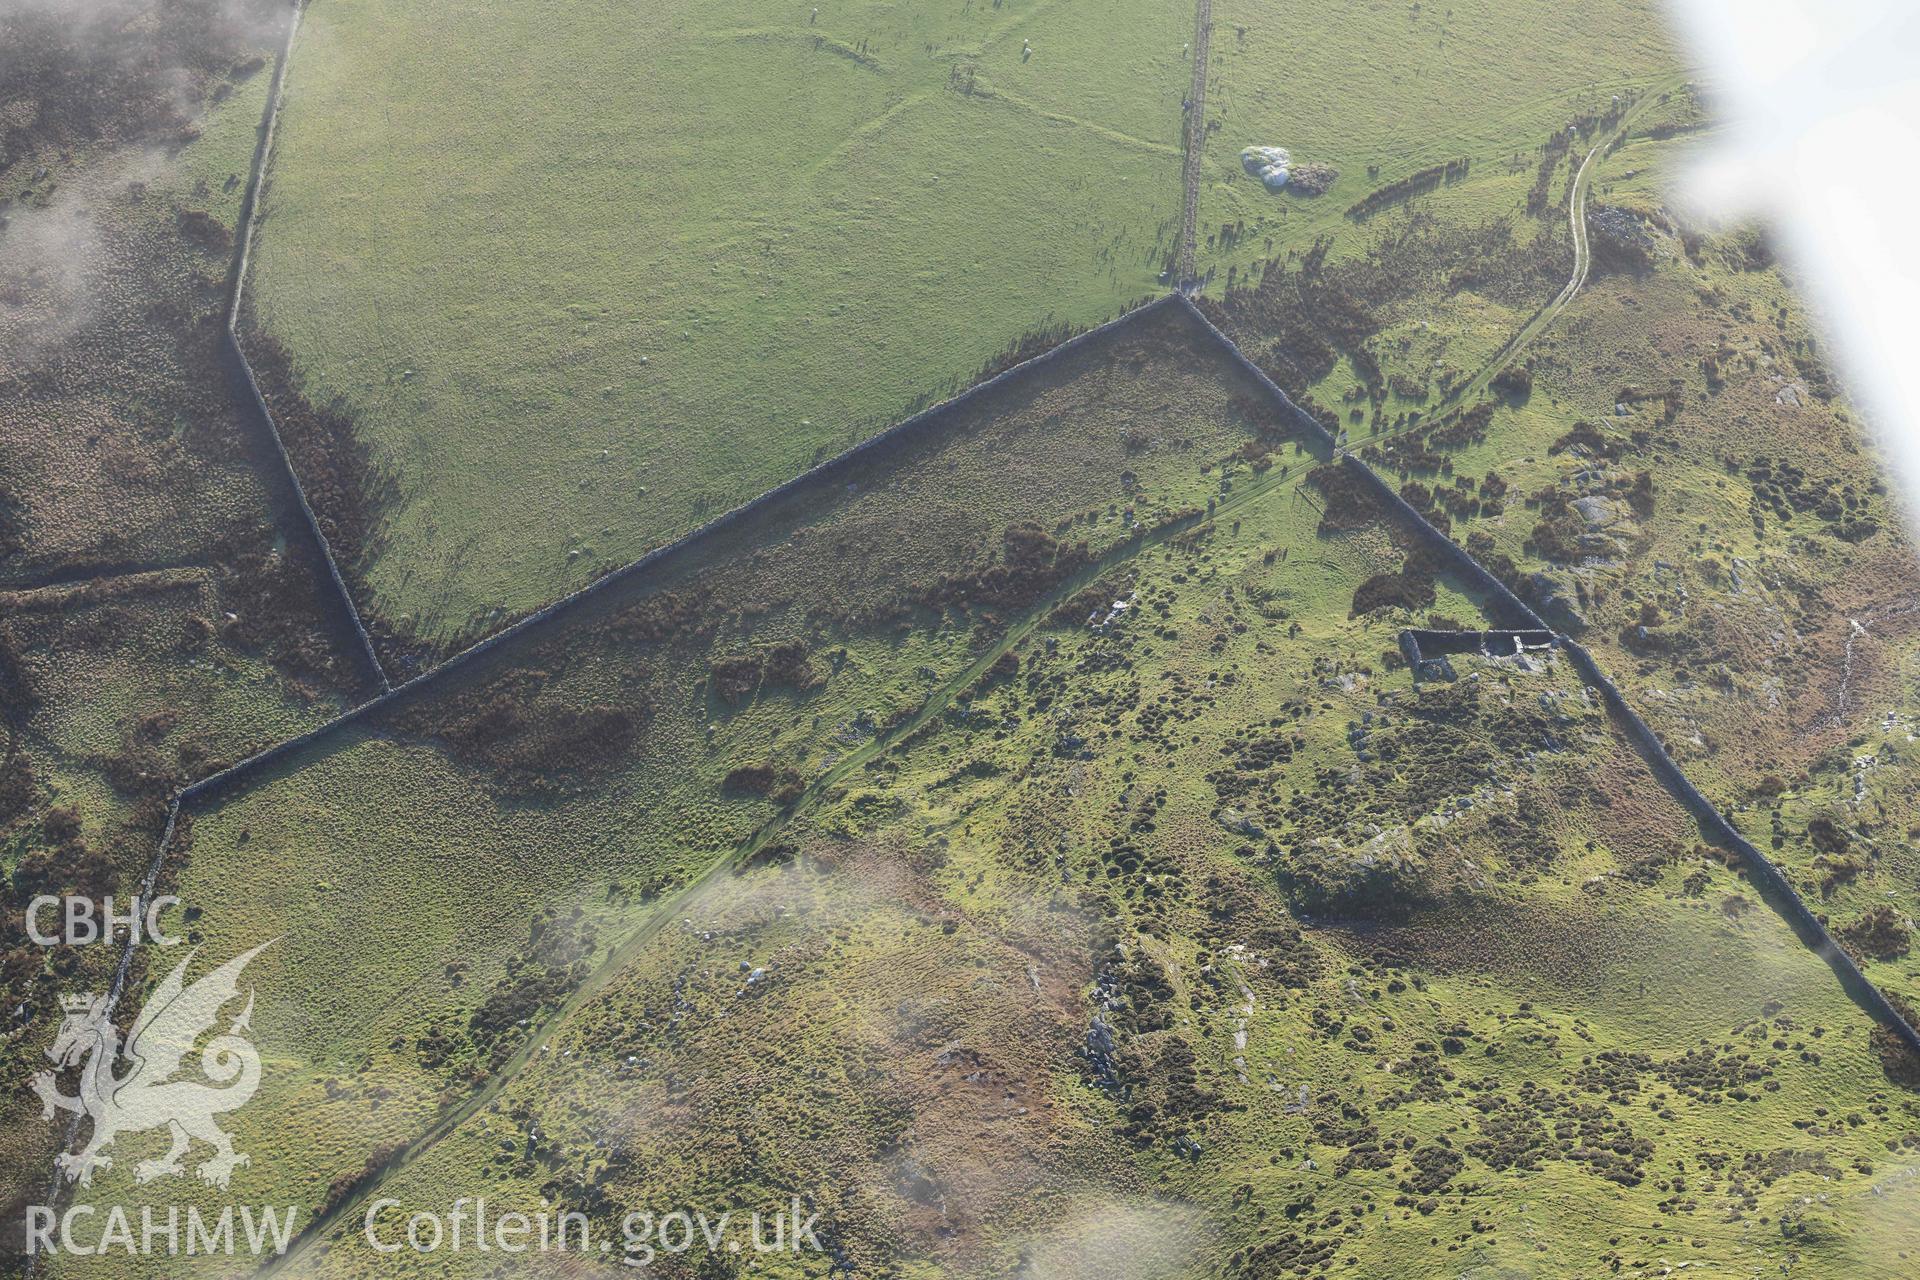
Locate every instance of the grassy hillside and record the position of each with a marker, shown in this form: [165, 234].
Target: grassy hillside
[1003, 998]
[1670, 470]
[582, 276]
[1023, 843]
[442, 878]
[1381, 92]
[1004, 891]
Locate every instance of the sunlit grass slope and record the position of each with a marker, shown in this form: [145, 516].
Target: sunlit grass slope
[588, 273]
[1382, 91]
[443, 878]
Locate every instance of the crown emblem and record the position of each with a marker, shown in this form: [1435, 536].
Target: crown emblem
[147, 1095]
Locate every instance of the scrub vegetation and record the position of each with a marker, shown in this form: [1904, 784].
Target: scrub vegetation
[1022, 840]
[1087, 855]
[1671, 472]
[159, 614]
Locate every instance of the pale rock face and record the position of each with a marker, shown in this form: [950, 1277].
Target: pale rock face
[1271, 165]
[1597, 511]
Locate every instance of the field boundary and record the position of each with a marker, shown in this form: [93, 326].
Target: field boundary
[256, 184]
[223, 780]
[240, 770]
[1454, 555]
[1194, 137]
[1418, 643]
[230, 337]
[734, 860]
[103, 587]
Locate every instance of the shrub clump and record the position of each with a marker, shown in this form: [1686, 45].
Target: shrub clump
[734, 678]
[1515, 382]
[1410, 588]
[527, 737]
[1031, 563]
[1349, 505]
[1392, 591]
[1880, 934]
[778, 783]
[1900, 1063]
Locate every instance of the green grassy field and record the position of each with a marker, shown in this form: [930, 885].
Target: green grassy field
[1382, 91]
[585, 276]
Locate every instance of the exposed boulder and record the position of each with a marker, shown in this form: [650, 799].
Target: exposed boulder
[1275, 168]
[1621, 239]
[1272, 165]
[1313, 179]
[1557, 601]
[1597, 511]
[1383, 877]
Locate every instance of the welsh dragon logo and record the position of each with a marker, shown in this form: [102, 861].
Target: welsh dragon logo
[146, 1096]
